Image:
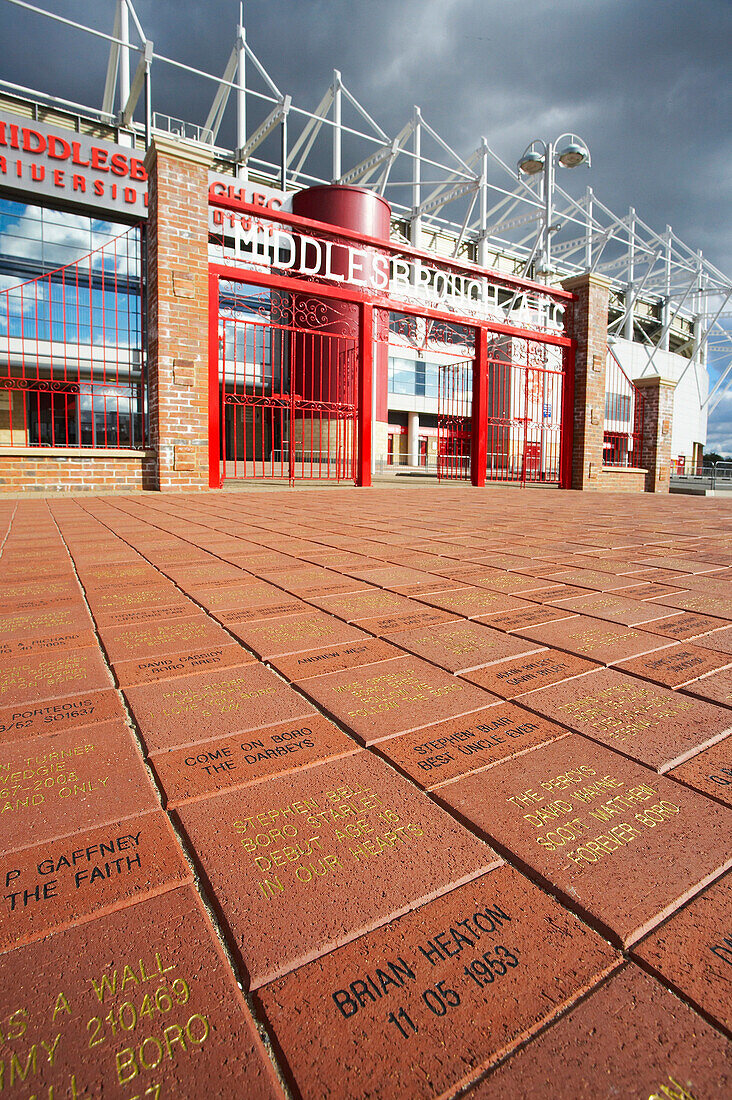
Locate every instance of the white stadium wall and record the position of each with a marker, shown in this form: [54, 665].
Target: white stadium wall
[692, 386]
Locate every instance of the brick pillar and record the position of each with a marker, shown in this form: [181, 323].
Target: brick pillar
[589, 330]
[177, 288]
[658, 409]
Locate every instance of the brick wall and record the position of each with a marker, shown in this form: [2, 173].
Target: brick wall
[589, 330]
[178, 311]
[658, 408]
[622, 479]
[52, 473]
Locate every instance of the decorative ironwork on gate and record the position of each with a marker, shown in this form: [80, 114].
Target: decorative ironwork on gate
[288, 385]
[454, 405]
[525, 383]
[623, 435]
[72, 353]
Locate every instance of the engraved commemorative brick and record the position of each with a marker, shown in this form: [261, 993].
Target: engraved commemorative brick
[49, 620]
[615, 608]
[623, 847]
[432, 999]
[151, 670]
[379, 700]
[222, 765]
[513, 678]
[692, 952]
[709, 771]
[64, 882]
[647, 722]
[630, 1038]
[596, 640]
[209, 705]
[717, 687]
[462, 645]
[317, 662]
[304, 862]
[296, 633]
[32, 645]
[139, 1003]
[686, 625]
[472, 602]
[34, 677]
[437, 754]
[54, 785]
[678, 665]
[58, 715]
[156, 639]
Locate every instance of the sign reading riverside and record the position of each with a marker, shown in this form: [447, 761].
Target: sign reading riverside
[41, 162]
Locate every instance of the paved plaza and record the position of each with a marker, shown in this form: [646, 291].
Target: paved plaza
[420, 791]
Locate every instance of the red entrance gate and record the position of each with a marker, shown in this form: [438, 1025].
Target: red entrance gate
[525, 380]
[454, 425]
[288, 387]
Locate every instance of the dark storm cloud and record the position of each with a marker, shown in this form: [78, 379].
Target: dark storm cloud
[645, 82]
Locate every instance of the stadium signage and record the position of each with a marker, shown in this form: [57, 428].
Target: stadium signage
[39, 161]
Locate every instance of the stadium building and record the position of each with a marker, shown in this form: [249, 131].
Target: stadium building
[325, 301]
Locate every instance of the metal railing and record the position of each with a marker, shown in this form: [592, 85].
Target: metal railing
[711, 476]
[623, 431]
[72, 352]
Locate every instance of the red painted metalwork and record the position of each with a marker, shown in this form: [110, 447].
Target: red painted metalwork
[287, 386]
[523, 392]
[254, 213]
[567, 430]
[454, 428]
[623, 436]
[365, 394]
[72, 353]
[479, 411]
[214, 384]
[525, 411]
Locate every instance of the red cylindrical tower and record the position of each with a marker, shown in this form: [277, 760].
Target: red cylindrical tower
[361, 211]
[354, 208]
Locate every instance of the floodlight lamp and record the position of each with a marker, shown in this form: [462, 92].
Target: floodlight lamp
[531, 162]
[573, 155]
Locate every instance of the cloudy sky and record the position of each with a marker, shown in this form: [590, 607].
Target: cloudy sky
[645, 82]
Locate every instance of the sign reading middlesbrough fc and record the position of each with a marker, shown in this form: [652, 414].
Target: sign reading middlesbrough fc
[258, 243]
[39, 161]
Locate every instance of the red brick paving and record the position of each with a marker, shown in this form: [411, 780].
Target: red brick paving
[394, 696]
[303, 863]
[446, 991]
[436, 754]
[709, 772]
[647, 722]
[631, 1038]
[142, 1000]
[513, 678]
[692, 952]
[343, 590]
[57, 785]
[622, 846]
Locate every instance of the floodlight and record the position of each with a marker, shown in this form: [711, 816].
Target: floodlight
[572, 155]
[531, 162]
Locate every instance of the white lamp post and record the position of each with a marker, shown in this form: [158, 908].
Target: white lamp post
[569, 151]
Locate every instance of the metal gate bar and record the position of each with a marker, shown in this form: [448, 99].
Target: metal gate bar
[454, 406]
[288, 399]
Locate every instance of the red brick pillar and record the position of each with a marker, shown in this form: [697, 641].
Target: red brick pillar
[658, 409]
[177, 288]
[589, 330]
